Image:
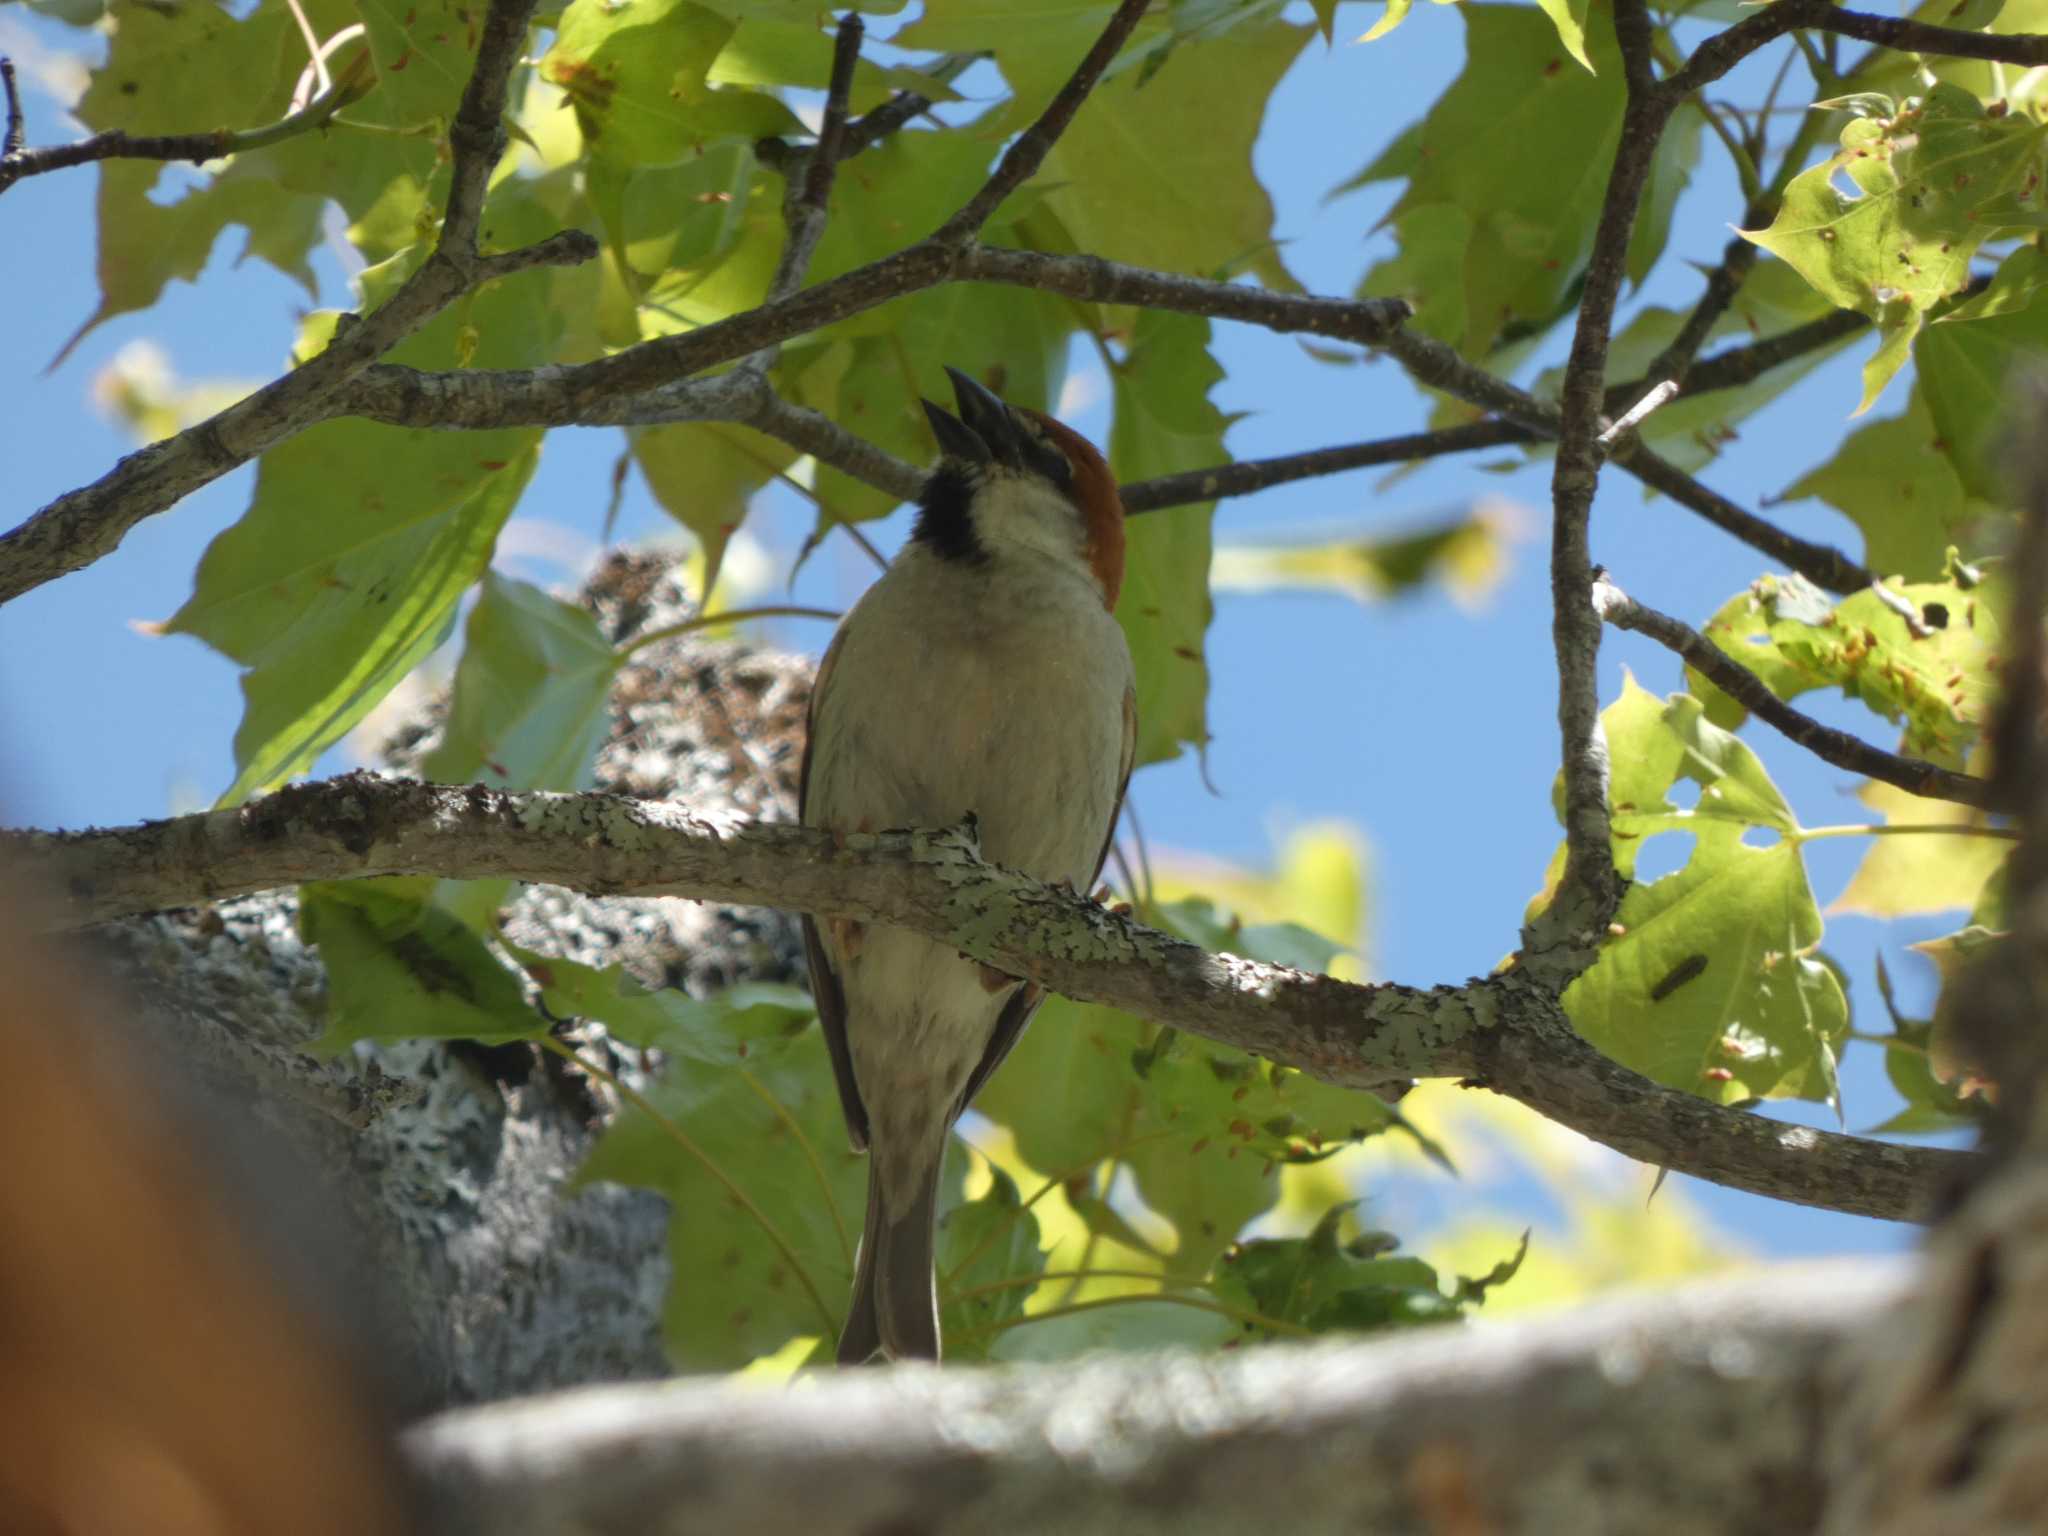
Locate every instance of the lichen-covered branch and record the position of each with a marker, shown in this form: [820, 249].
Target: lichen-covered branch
[1503, 1031]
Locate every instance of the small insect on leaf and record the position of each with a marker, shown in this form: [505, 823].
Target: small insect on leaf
[1686, 970]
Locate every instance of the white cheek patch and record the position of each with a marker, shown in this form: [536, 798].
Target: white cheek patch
[1026, 513]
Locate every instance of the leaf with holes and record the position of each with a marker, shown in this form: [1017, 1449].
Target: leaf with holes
[1711, 985]
[1931, 185]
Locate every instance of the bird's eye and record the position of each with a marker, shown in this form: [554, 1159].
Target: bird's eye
[1047, 456]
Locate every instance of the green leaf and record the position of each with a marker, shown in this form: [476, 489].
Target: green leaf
[704, 474]
[1931, 1104]
[1710, 985]
[1893, 481]
[984, 1246]
[1326, 1285]
[400, 968]
[1428, 270]
[1139, 1322]
[1908, 874]
[738, 1024]
[328, 615]
[1941, 685]
[1466, 552]
[1164, 422]
[528, 706]
[178, 69]
[1742, 629]
[1671, 170]
[346, 569]
[1569, 17]
[1969, 374]
[1931, 186]
[766, 1152]
[1519, 145]
[638, 74]
[1036, 48]
[2019, 277]
[1158, 172]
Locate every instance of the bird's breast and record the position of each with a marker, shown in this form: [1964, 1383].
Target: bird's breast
[1005, 699]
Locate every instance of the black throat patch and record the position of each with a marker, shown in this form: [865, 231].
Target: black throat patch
[944, 524]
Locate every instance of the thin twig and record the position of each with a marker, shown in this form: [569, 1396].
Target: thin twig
[2025, 48]
[807, 202]
[1656, 396]
[19, 162]
[1818, 563]
[1563, 939]
[1929, 780]
[1248, 475]
[17, 123]
[1022, 159]
[83, 525]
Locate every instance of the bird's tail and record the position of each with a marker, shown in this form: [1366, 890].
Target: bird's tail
[894, 1314]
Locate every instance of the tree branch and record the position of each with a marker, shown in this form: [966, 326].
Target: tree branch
[16, 138]
[1747, 689]
[81, 526]
[1563, 940]
[18, 161]
[1720, 1391]
[627, 387]
[1244, 476]
[1504, 1030]
[2025, 48]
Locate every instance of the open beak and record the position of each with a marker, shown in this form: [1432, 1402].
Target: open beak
[984, 432]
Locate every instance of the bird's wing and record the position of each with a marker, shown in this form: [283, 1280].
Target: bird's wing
[1010, 1023]
[826, 993]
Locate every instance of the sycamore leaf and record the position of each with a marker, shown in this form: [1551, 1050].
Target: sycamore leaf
[1937, 677]
[1518, 146]
[400, 968]
[638, 75]
[1164, 422]
[528, 707]
[1929, 186]
[1891, 479]
[1922, 872]
[1710, 984]
[740, 1024]
[766, 1200]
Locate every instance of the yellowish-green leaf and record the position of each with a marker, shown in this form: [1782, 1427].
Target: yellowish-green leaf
[1930, 186]
[1710, 984]
[1891, 479]
[1467, 553]
[1909, 874]
[1518, 144]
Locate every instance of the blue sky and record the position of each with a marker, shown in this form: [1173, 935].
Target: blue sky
[1427, 724]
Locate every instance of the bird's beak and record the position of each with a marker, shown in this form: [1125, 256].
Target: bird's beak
[984, 432]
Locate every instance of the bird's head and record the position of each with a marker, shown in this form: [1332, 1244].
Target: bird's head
[1012, 480]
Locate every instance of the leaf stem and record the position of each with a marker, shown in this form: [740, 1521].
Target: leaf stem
[1907, 829]
[640, 643]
